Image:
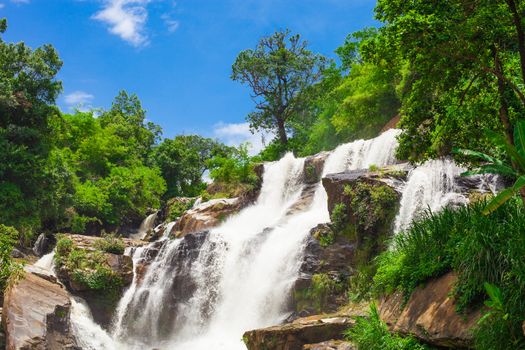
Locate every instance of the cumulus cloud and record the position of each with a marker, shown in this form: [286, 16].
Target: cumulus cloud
[236, 133]
[126, 19]
[80, 100]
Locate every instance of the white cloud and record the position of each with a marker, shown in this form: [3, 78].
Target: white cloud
[172, 24]
[236, 133]
[126, 19]
[79, 100]
[2, 5]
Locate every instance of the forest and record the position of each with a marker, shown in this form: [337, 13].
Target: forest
[450, 74]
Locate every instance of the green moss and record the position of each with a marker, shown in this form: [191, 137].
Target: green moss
[317, 295]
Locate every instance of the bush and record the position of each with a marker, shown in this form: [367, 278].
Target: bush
[480, 249]
[110, 243]
[8, 267]
[339, 217]
[372, 334]
[317, 295]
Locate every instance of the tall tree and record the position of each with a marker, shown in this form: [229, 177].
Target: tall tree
[28, 90]
[278, 70]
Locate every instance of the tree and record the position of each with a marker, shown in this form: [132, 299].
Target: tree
[183, 162]
[277, 71]
[28, 90]
[464, 72]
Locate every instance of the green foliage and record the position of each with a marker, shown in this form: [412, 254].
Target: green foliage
[278, 71]
[27, 91]
[323, 286]
[235, 168]
[177, 207]
[480, 249]
[8, 267]
[499, 328]
[89, 268]
[110, 243]
[339, 217]
[184, 160]
[371, 333]
[464, 73]
[491, 165]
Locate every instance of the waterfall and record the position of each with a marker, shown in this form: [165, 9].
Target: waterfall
[46, 263]
[434, 185]
[146, 225]
[203, 291]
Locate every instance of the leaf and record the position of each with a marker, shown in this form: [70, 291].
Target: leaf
[504, 196]
[480, 155]
[519, 137]
[512, 152]
[491, 169]
[496, 298]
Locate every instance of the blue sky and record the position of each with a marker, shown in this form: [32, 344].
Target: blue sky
[175, 55]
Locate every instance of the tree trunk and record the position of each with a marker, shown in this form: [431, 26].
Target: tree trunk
[521, 35]
[503, 109]
[282, 132]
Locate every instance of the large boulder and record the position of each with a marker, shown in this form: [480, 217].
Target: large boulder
[363, 205]
[295, 335]
[430, 315]
[206, 215]
[36, 314]
[95, 269]
[331, 345]
[313, 168]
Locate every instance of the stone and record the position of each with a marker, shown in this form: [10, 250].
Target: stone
[102, 303]
[294, 336]
[430, 315]
[331, 345]
[36, 315]
[313, 168]
[206, 215]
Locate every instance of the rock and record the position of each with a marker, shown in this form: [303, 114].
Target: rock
[102, 299]
[430, 315]
[2, 334]
[331, 345]
[42, 245]
[36, 315]
[313, 168]
[206, 215]
[294, 336]
[366, 203]
[17, 254]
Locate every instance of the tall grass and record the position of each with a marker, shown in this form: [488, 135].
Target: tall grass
[480, 249]
[370, 333]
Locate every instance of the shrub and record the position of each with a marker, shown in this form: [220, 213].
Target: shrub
[177, 208]
[110, 243]
[372, 334]
[319, 292]
[339, 217]
[8, 267]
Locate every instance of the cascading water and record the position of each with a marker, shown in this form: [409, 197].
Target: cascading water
[146, 225]
[239, 275]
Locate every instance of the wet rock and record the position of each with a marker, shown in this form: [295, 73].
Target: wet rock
[17, 254]
[36, 315]
[430, 315]
[206, 215]
[42, 245]
[114, 273]
[313, 168]
[294, 336]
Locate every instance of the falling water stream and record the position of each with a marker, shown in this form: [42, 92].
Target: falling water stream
[204, 291]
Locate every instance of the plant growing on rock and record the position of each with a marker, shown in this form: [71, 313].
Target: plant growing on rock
[371, 333]
[110, 243]
[9, 269]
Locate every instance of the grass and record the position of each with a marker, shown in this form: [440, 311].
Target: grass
[370, 333]
[480, 249]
